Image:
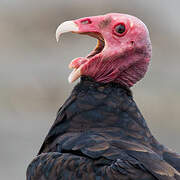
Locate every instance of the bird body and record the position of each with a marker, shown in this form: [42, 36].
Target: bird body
[99, 132]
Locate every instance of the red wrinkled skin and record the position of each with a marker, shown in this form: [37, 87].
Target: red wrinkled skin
[124, 59]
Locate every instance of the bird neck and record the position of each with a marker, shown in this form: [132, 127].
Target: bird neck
[112, 99]
[110, 108]
[107, 110]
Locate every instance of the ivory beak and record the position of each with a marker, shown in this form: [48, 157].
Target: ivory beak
[67, 26]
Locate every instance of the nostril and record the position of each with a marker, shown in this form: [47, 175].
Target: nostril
[86, 21]
[132, 42]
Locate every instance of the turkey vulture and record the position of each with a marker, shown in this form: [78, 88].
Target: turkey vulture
[99, 132]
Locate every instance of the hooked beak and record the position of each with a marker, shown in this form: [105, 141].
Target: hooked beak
[81, 26]
[67, 26]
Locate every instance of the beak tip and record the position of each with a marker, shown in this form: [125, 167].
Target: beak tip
[57, 36]
[70, 80]
[57, 39]
[67, 26]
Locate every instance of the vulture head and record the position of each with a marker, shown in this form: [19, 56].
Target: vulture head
[123, 48]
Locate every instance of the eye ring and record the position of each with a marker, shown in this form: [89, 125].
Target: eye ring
[120, 29]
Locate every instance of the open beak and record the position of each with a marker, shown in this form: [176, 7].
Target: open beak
[81, 26]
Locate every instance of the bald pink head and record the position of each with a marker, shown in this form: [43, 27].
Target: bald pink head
[123, 51]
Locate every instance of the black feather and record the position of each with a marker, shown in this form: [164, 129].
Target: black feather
[100, 134]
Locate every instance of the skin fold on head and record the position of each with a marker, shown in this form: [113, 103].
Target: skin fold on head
[123, 48]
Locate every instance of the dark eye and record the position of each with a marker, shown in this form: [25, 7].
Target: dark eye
[120, 29]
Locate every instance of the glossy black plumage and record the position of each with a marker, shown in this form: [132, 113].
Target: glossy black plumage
[99, 134]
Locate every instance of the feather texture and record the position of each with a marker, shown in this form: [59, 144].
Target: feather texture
[100, 134]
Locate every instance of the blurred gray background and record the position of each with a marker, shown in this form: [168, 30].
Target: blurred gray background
[34, 71]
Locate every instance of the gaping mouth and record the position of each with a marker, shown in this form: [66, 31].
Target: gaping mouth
[78, 63]
[100, 44]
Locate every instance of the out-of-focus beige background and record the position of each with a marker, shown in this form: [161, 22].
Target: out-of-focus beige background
[34, 71]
